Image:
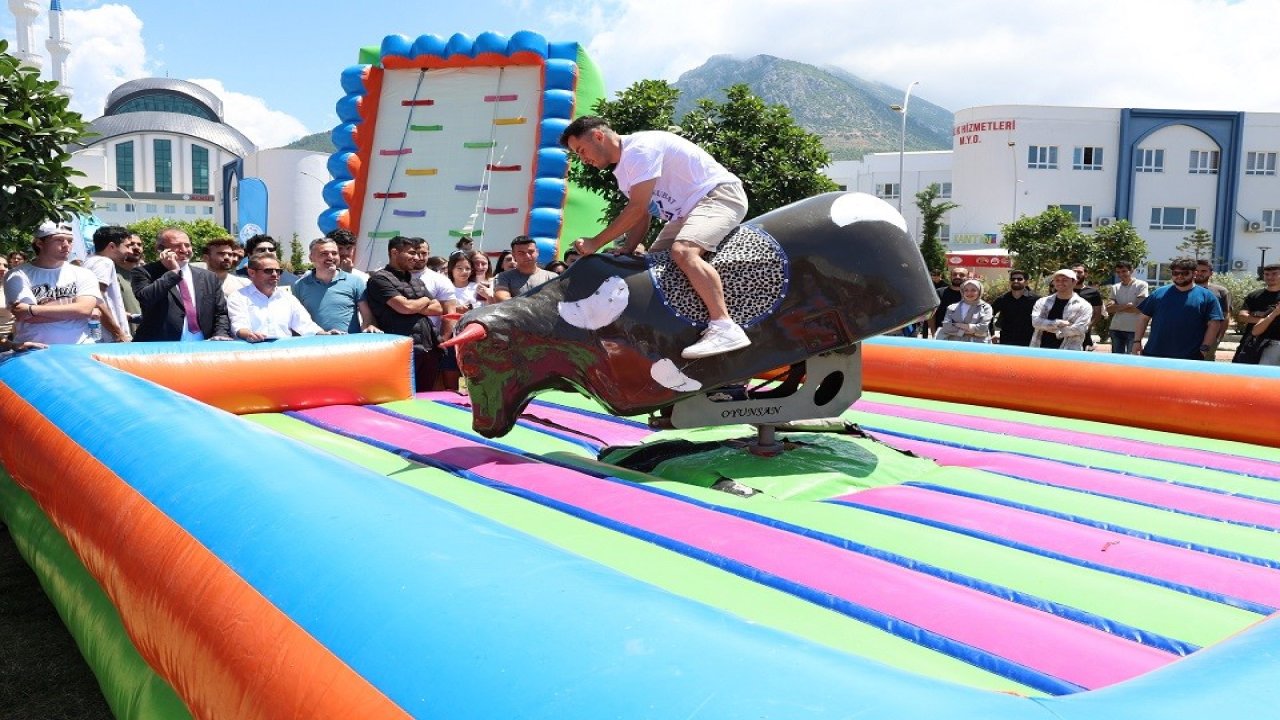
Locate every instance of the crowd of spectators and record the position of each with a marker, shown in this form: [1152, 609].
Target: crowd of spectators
[244, 292]
[1186, 319]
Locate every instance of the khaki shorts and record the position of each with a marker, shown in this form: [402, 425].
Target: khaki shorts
[711, 220]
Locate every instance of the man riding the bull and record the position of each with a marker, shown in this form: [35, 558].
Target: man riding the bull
[668, 177]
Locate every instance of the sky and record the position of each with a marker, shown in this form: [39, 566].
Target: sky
[276, 65]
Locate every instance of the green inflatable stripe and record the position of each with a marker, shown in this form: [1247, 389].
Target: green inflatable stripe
[645, 561]
[1074, 455]
[132, 689]
[1228, 447]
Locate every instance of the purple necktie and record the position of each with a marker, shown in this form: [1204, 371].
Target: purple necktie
[188, 305]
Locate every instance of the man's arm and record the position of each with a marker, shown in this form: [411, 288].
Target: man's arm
[82, 307]
[367, 323]
[633, 222]
[109, 322]
[152, 294]
[1140, 332]
[418, 306]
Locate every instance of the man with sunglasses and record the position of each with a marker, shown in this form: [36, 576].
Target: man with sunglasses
[266, 245]
[1184, 318]
[1013, 311]
[262, 310]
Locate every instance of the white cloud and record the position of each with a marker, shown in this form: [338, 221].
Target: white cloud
[1201, 54]
[108, 48]
[250, 115]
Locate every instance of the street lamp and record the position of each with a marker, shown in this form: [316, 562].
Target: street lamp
[902, 149]
[136, 213]
[1263, 262]
[1013, 154]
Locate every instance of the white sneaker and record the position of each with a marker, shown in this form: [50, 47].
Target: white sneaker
[716, 341]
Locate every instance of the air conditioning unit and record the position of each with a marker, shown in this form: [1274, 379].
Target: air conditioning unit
[1103, 221]
[1237, 264]
[1253, 226]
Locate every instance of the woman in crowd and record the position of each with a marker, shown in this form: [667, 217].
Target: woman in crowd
[481, 276]
[970, 319]
[505, 262]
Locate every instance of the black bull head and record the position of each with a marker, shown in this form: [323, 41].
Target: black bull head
[842, 268]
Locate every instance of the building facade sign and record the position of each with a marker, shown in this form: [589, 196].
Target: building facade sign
[971, 133]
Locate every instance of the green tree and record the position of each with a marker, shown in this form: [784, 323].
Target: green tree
[35, 128]
[1046, 242]
[1199, 245]
[778, 161]
[1114, 243]
[932, 208]
[200, 232]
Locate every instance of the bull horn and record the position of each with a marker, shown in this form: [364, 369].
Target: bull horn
[471, 333]
[453, 316]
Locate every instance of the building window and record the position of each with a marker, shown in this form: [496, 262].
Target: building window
[1086, 158]
[164, 165]
[150, 207]
[128, 207]
[1260, 163]
[944, 190]
[1149, 161]
[199, 170]
[1271, 221]
[111, 207]
[1203, 162]
[170, 210]
[1081, 214]
[1173, 218]
[208, 210]
[888, 191]
[944, 231]
[1042, 157]
[124, 166]
[189, 210]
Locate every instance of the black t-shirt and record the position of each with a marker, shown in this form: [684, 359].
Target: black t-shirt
[1261, 302]
[1094, 298]
[1013, 317]
[1048, 339]
[947, 297]
[386, 284]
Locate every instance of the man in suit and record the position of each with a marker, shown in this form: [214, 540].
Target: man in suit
[179, 302]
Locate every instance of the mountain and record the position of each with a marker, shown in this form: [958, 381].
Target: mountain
[316, 142]
[851, 115]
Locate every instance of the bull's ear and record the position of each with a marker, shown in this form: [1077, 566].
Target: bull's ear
[473, 332]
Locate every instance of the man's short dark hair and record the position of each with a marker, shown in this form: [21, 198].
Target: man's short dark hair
[226, 241]
[582, 126]
[1123, 264]
[400, 242]
[1183, 264]
[521, 240]
[569, 252]
[320, 241]
[463, 241]
[252, 243]
[108, 234]
[256, 261]
[342, 236]
[1205, 262]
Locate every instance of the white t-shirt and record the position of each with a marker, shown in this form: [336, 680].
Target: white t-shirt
[685, 172]
[50, 286]
[105, 270]
[439, 288]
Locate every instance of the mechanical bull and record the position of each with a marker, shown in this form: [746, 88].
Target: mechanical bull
[813, 277]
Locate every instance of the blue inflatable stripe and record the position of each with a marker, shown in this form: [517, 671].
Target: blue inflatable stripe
[1088, 619]
[896, 626]
[1201, 593]
[1207, 549]
[1032, 456]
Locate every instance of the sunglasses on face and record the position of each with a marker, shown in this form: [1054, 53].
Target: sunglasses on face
[1179, 272]
[272, 271]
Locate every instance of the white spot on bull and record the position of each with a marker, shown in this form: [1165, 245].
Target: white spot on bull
[600, 308]
[857, 207]
[669, 376]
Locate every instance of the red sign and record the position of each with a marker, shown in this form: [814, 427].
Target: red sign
[971, 133]
[979, 261]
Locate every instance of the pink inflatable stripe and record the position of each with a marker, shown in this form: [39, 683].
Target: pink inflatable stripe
[1151, 492]
[1123, 552]
[1064, 649]
[591, 428]
[1121, 446]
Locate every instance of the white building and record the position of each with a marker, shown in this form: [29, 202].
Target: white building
[1168, 172]
[159, 151]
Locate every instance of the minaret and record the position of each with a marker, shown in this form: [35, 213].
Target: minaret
[59, 48]
[25, 13]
